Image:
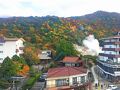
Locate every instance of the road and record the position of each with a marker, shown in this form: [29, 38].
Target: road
[94, 75]
[38, 86]
[101, 83]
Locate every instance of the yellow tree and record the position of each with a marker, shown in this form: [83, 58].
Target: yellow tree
[31, 55]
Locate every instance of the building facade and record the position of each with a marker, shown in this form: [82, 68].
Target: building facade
[108, 63]
[66, 78]
[10, 47]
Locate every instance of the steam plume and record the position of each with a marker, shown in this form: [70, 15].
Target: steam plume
[92, 44]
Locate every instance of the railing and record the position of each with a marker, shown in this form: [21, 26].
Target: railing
[109, 55]
[111, 49]
[67, 84]
[109, 43]
[109, 64]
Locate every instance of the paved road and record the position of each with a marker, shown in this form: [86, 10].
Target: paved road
[38, 86]
[102, 83]
[94, 75]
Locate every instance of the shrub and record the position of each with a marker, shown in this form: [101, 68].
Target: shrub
[4, 84]
[30, 82]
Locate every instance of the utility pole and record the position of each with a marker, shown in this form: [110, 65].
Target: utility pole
[13, 87]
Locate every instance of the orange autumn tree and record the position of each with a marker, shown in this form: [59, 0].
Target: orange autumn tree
[24, 71]
[31, 55]
[21, 66]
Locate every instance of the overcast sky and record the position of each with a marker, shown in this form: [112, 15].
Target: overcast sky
[64, 8]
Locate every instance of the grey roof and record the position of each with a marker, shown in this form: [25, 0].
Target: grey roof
[2, 40]
[46, 54]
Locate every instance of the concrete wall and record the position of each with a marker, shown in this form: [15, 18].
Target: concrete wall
[1, 52]
[9, 49]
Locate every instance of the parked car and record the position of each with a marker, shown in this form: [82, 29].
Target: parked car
[112, 87]
[43, 77]
[117, 88]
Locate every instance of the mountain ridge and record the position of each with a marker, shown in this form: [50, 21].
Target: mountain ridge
[98, 22]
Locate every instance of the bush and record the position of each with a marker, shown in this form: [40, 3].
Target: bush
[30, 82]
[4, 84]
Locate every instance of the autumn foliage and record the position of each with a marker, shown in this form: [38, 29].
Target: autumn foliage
[24, 71]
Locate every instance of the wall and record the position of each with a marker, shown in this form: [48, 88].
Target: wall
[51, 81]
[9, 49]
[1, 52]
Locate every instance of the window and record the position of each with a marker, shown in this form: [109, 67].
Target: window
[83, 79]
[1, 58]
[1, 51]
[110, 52]
[110, 58]
[110, 46]
[1, 44]
[62, 82]
[74, 80]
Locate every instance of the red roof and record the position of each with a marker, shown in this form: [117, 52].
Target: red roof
[65, 71]
[71, 59]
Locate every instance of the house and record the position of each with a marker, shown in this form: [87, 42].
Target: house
[45, 56]
[67, 78]
[10, 47]
[108, 63]
[72, 61]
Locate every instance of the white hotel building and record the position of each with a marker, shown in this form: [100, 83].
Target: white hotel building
[109, 60]
[10, 47]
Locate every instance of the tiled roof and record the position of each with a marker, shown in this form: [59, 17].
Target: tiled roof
[71, 59]
[3, 39]
[65, 71]
[10, 39]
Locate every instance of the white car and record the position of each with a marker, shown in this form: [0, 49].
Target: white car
[112, 87]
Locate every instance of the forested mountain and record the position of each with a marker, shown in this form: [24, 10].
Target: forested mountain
[46, 32]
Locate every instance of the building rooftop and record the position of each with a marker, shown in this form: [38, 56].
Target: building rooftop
[45, 54]
[71, 59]
[3, 39]
[65, 71]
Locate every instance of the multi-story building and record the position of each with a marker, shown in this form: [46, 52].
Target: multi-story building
[10, 47]
[109, 59]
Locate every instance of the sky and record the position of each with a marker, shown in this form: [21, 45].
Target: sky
[62, 8]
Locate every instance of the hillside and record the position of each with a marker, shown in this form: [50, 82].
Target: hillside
[46, 32]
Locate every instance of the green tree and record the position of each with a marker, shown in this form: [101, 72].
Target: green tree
[88, 58]
[66, 47]
[8, 69]
[19, 59]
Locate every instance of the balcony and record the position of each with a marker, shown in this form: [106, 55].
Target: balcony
[110, 43]
[109, 55]
[21, 48]
[68, 87]
[109, 64]
[111, 49]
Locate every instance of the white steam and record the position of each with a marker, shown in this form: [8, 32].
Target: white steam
[92, 44]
